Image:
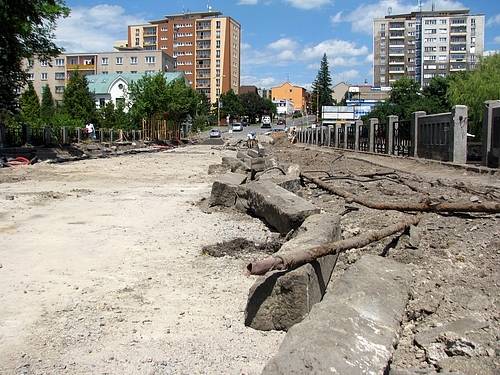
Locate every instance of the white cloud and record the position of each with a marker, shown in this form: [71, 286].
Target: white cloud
[283, 43]
[369, 58]
[345, 76]
[337, 18]
[497, 39]
[248, 2]
[361, 18]
[308, 4]
[493, 21]
[334, 47]
[94, 29]
[264, 82]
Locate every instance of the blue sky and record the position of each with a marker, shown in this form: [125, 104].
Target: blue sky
[281, 39]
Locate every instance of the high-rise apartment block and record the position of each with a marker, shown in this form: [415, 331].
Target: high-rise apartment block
[56, 72]
[426, 44]
[206, 46]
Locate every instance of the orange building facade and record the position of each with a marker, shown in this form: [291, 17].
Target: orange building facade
[295, 94]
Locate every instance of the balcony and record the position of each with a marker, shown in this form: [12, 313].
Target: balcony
[458, 50]
[396, 26]
[203, 26]
[397, 35]
[203, 56]
[203, 46]
[396, 71]
[396, 62]
[203, 66]
[81, 66]
[203, 36]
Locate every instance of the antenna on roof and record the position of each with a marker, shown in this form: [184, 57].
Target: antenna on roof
[389, 11]
[433, 6]
[420, 5]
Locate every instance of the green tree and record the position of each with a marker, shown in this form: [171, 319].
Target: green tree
[107, 116]
[321, 87]
[78, 101]
[474, 88]
[151, 95]
[47, 108]
[30, 106]
[26, 30]
[230, 104]
[252, 105]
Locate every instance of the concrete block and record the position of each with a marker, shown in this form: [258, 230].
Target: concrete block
[253, 153]
[234, 164]
[218, 168]
[241, 155]
[282, 299]
[290, 183]
[278, 207]
[225, 188]
[354, 329]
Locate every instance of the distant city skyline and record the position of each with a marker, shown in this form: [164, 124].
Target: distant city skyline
[282, 40]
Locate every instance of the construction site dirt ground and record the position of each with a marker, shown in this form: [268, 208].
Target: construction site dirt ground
[103, 268]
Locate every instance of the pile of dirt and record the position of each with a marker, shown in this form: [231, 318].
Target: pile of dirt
[241, 248]
[451, 322]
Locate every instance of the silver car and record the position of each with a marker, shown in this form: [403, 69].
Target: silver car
[215, 133]
[237, 127]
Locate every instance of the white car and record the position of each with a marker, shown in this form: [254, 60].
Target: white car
[237, 127]
[266, 121]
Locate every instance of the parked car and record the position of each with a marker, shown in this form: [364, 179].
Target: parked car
[215, 133]
[266, 122]
[244, 122]
[237, 127]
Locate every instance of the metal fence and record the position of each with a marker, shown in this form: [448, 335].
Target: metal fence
[402, 143]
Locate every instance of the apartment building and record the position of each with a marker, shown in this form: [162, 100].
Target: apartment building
[426, 44]
[205, 45]
[295, 94]
[56, 72]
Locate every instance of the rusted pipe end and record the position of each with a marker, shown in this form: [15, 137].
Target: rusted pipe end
[261, 267]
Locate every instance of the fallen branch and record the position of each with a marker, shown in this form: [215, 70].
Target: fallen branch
[426, 206]
[295, 259]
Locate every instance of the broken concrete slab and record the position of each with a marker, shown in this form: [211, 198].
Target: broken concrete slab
[218, 168]
[277, 206]
[257, 164]
[354, 329]
[241, 155]
[234, 164]
[280, 300]
[253, 153]
[289, 183]
[225, 188]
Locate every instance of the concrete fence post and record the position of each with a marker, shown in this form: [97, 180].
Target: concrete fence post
[371, 134]
[78, 135]
[329, 136]
[64, 135]
[491, 147]
[110, 135]
[316, 137]
[2, 135]
[345, 135]
[337, 127]
[414, 132]
[459, 115]
[357, 128]
[390, 133]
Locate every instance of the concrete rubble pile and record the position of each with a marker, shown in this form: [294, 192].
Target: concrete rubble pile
[295, 300]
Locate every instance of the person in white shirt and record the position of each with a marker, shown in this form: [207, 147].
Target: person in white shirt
[90, 130]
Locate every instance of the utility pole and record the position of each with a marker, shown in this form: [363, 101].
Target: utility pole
[317, 105]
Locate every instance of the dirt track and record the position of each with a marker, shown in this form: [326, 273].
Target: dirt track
[102, 272]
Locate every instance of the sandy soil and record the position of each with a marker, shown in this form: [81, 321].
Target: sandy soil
[101, 270]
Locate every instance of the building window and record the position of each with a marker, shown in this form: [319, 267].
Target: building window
[133, 60]
[150, 71]
[217, 44]
[44, 76]
[59, 62]
[119, 60]
[102, 102]
[104, 72]
[119, 72]
[150, 59]
[217, 63]
[31, 76]
[134, 72]
[443, 48]
[59, 76]
[59, 89]
[43, 63]
[217, 24]
[217, 34]
[136, 41]
[164, 28]
[104, 61]
[217, 53]
[443, 22]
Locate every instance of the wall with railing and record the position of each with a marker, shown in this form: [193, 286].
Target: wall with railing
[440, 137]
